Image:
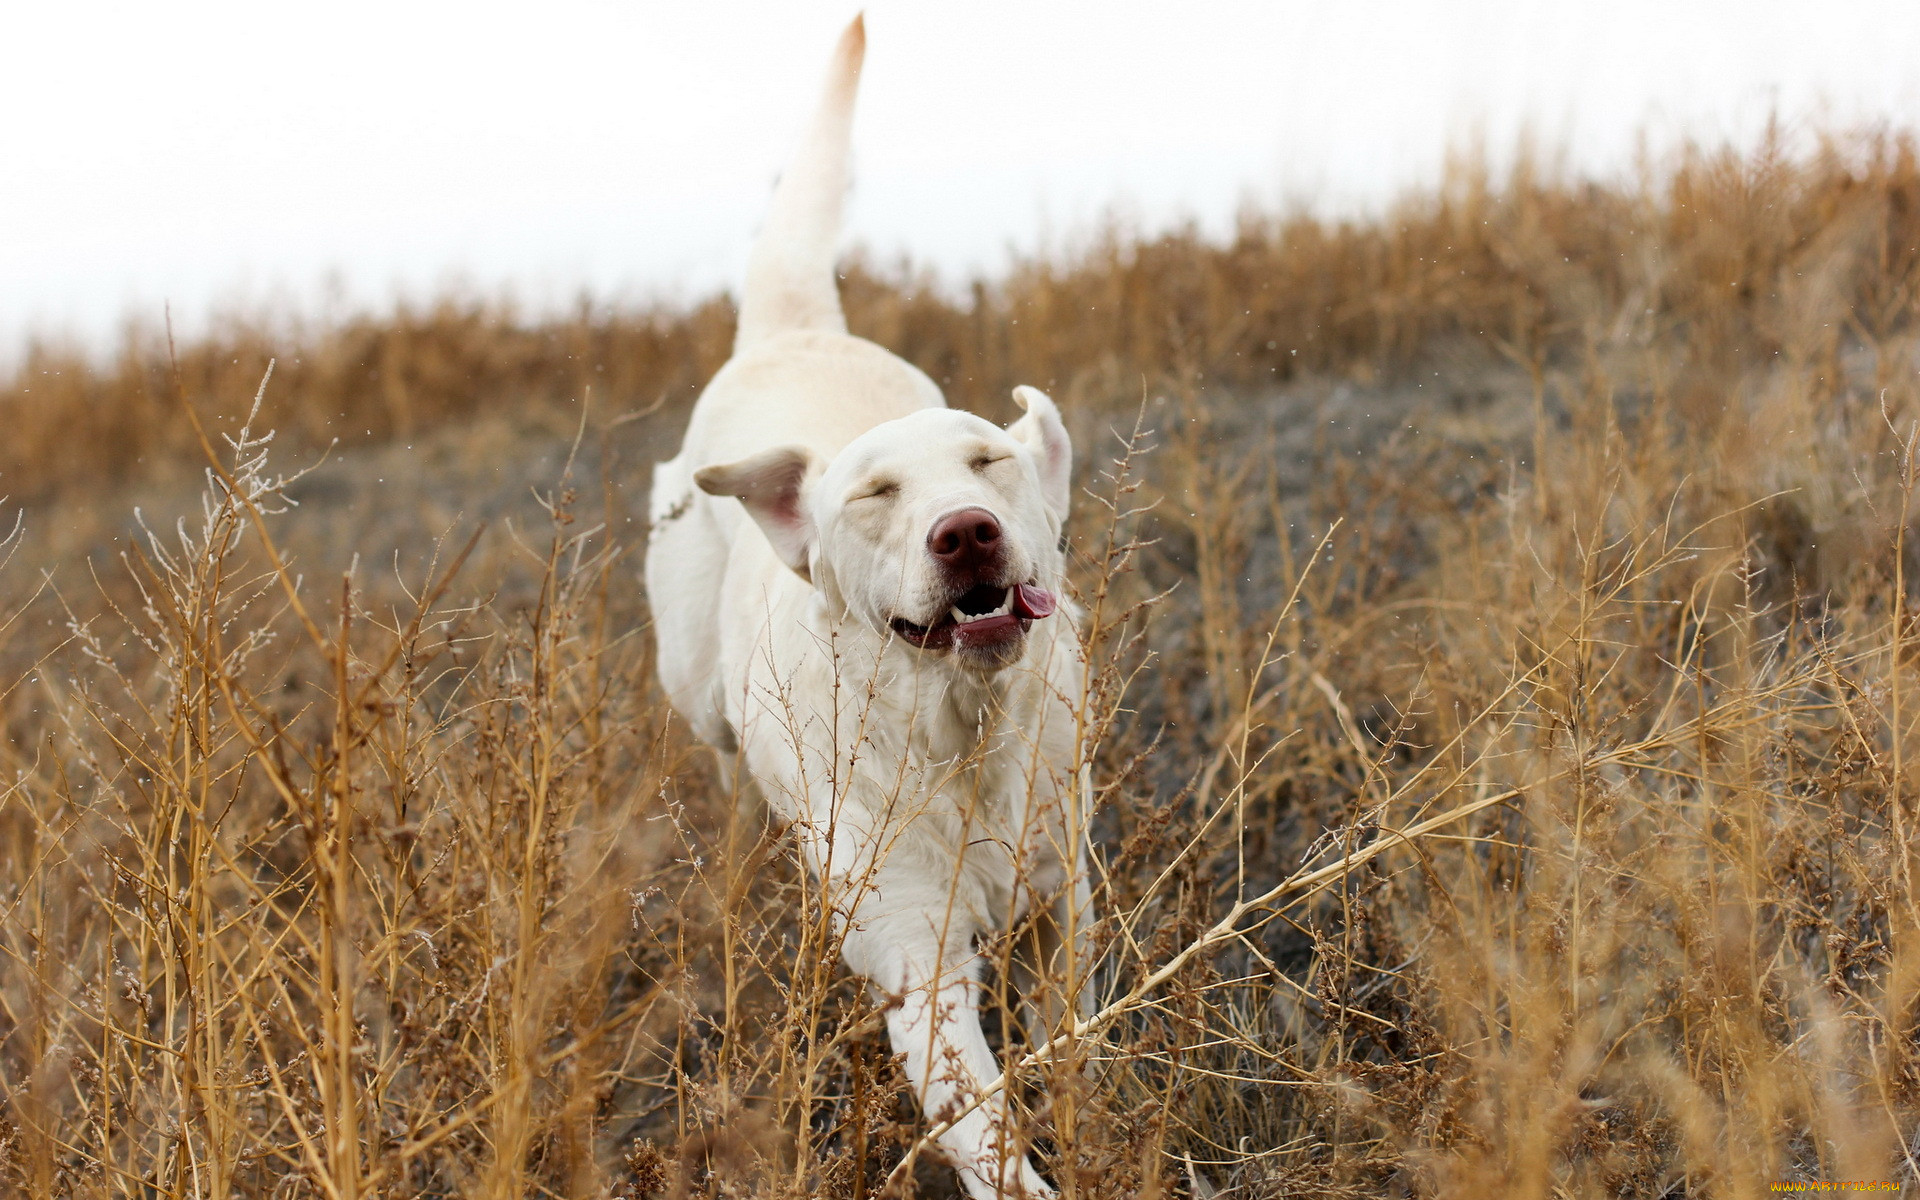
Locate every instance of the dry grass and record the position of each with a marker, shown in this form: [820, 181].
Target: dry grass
[1502, 721]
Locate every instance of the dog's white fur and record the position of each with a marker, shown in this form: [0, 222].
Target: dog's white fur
[932, 789]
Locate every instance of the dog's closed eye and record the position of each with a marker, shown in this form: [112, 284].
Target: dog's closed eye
[982, 461]
[879, 489]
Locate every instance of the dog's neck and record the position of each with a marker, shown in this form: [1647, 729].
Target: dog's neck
[974, 702]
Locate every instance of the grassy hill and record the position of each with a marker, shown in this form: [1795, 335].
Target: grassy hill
[1501, 613]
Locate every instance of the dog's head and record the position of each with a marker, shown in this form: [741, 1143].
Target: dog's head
[939, 527]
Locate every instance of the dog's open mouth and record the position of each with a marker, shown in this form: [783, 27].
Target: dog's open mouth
[986, 615]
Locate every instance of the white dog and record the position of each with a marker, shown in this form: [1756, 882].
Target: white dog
[855, 587]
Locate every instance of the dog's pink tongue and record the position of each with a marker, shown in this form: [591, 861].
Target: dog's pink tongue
[1030, 601]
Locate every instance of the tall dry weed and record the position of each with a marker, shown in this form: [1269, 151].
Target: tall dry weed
[1501, 721]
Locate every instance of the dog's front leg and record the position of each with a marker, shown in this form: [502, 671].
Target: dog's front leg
[914, 944]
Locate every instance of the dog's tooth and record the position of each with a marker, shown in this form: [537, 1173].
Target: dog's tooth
[960, 618]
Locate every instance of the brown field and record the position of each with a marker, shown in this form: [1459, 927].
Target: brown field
[1503, 724]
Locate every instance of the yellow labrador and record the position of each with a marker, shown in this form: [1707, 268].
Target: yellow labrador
[857, 590]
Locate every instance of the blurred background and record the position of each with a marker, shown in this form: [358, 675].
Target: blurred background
[326, 159]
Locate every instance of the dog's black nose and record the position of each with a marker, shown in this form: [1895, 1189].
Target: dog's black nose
[966, 539]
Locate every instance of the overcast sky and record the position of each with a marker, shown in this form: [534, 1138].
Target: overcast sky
[223, 156]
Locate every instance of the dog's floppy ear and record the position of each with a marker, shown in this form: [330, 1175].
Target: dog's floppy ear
[773, 486]
[1042, 433]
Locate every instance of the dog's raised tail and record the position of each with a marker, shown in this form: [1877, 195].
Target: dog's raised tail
[790, 277]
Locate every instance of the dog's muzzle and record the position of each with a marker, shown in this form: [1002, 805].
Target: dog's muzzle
[970, 551]
[985, 616]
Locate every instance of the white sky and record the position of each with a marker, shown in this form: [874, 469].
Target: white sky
[323, 157]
